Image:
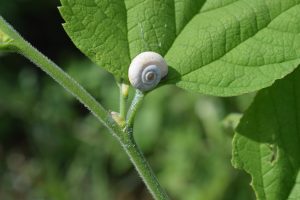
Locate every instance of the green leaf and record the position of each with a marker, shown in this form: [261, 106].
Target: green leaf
[266, 144]
[99, 30]
[218, 47]
[185, 10]
[215, 4]
[295, 194]
[233, 47]
[112, 32]
[151, 25]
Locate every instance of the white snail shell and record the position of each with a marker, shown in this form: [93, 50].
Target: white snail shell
[146, 70]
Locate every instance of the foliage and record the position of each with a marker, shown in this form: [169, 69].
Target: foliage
[268, 147]
[216, 47]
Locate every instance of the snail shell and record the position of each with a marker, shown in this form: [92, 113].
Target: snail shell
[146, 70]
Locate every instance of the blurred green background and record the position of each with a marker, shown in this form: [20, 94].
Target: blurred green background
[51, 147]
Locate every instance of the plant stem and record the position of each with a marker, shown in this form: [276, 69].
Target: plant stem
[123, 99]
[144, 169]
[21, 46]
[27, 50]
[136, 103]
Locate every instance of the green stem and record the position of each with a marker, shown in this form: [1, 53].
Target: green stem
[135, 154]
[17, 43]
[123, 99]
[136, 103]
[144, 169]
[27, 50]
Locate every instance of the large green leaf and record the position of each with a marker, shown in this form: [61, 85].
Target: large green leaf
[185, 10]
[112, 32]
[151, 25]
[240, 47]
[219, 47]
[99, 29]
[266, 144]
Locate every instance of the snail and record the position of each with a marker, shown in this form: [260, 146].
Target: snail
[146, 70]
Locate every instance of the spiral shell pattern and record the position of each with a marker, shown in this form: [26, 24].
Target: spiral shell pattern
[146, 70]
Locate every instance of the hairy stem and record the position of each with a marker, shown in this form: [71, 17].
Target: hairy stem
[136, 103]
[27, 50]
[18, 44]
[144, 169]
[123, 98]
